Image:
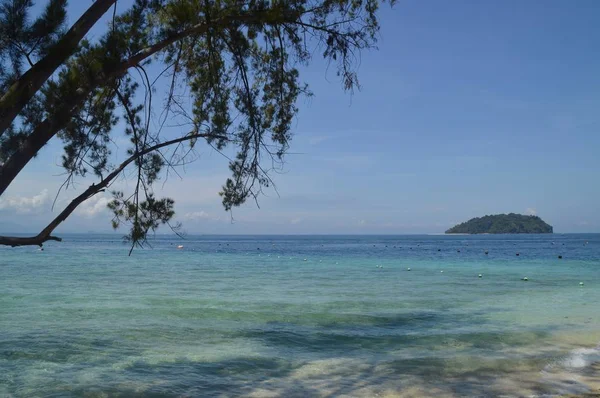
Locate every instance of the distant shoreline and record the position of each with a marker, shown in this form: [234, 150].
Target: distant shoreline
[506, 233]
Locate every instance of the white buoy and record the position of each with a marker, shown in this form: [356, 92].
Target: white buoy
[525, 278]
[180, 246]
[408, 269]
[442, 272]
[480, 276]
[304, 259]
[580, 283]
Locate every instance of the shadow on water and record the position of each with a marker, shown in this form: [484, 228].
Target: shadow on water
[342, 359]
[261, 377]
[421, 330]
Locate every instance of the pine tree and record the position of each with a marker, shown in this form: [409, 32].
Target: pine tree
[236, 60]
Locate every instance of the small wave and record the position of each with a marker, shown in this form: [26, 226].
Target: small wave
[576, 360]
[581, 358]
[570, 374]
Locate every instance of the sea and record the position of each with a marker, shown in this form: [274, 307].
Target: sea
[302, 316]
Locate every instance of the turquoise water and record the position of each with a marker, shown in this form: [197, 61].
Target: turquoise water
[301, 316]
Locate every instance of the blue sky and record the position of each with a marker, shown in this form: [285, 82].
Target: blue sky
[468, 108]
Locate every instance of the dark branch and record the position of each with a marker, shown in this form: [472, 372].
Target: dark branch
[53, 124]
[31, 241]
[21, 92]
[93, 190]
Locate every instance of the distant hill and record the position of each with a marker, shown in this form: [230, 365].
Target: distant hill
[503, 224]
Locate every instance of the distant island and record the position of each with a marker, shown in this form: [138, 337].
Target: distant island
[503, 224]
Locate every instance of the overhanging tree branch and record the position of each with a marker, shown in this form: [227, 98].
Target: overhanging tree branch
[45, 234]
[241, 83]
[53, 124]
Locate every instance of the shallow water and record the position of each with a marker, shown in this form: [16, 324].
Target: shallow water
[302, 316]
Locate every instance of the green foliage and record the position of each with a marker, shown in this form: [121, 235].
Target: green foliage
[237, 61]
[503, 224]
[142, 217]
[24, 42]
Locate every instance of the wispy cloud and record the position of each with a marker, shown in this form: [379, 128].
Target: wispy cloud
[531, 211]
[296, 220]
[200, 215]
[93, 206]
[25, 205]
[318, 139]
[349, 160]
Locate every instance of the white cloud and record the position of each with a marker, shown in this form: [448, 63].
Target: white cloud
[93, 206]
[531, 211]
[318, 139]
[362, 222]
[295, 221]
[199, 215]
[347, 161]
[25, 205]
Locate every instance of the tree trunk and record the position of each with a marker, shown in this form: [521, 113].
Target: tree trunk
[21, 92]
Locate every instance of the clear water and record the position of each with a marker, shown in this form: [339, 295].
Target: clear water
[302, 316]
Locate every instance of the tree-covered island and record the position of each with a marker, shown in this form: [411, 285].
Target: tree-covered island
[503, 224]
